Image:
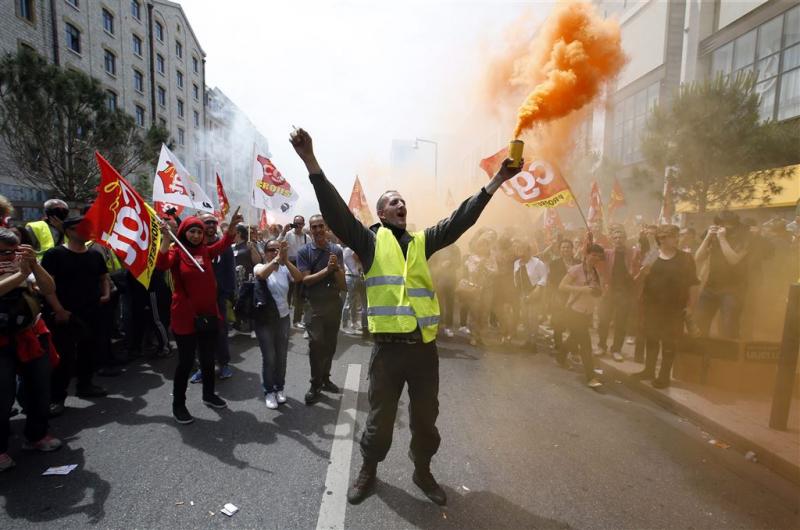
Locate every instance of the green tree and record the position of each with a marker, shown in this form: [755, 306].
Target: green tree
[721, 152]
[52, 121]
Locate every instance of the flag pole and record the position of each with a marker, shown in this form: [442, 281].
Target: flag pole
[575, 198]
[180, 245]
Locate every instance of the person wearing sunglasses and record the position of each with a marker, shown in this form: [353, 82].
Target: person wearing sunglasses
[274, 278]
[25, 346]
[49, 232]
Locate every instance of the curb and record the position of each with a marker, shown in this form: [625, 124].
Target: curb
[773, 461]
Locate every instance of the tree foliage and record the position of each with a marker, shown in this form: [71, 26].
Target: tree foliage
[710, 132]
[52, 121]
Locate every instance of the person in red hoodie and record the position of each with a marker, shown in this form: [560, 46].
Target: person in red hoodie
[195, 316]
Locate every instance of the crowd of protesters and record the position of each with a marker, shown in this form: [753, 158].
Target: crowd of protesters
[68, 309]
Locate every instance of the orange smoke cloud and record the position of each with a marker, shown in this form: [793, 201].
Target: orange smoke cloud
[579, 52]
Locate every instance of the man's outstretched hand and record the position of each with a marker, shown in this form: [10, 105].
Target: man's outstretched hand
[505, 173]
[301, 141]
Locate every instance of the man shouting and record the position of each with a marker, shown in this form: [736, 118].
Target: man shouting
[403, 315]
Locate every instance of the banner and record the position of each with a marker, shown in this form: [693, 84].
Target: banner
[174, 185]
[617, 198]
[552, 221]
[270, 191]
[262, 222]
[595, 214]
[224, 205]
[120, 220]
[358, 204]
[540, 184]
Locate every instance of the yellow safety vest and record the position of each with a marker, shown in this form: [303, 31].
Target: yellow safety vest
[400, 294]
[43, 235]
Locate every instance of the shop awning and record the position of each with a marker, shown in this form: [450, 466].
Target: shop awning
[788, 196]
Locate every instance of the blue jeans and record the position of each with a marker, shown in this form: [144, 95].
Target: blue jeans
[273, 339]
[729, 306]
[35, 395]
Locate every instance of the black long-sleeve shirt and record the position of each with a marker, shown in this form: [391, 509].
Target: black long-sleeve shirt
[355, 235]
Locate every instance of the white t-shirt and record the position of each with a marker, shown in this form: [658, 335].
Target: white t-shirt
[278, 284]
[351, 263]
[537, 271]
[295, 242]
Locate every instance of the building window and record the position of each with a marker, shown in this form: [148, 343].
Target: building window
[159, 31]
[139, 116]
[26, 10]
[195, 92]
[73, 38]
[772, 53]
[179, 49]
[108, 21]
[160, 63]
[181, 136]
[110, 61]
[111, 100]
[137, 45]
[138, 81]
[74, 3]
[25, 47]
[179, 78]
[196, 119]
[630, 116]
[195, 65]
[162, 123]
[180, 108]
[162, 96]
[136, 9]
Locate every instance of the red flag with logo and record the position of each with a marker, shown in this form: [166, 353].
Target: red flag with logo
[262, 222]
[120, 220]
[595, 204]
[617, 198]
[224, 205]
[552, 221]
[539, 184]
[358, 204]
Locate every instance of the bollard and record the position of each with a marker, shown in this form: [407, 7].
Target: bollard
[787, 362]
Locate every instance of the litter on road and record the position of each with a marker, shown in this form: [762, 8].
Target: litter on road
[60, 470]
[719, 443]
[229, 509]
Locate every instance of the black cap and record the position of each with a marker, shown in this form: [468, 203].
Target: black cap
[72, 221]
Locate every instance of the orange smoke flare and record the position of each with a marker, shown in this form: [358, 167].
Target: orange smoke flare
[581, 52]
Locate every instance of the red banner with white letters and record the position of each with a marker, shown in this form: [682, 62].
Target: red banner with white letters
[538, 184]
[120, 220]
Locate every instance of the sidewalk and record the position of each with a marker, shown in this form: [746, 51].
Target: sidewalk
[740, 420]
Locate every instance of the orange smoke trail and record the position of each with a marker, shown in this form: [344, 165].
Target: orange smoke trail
[582, 52]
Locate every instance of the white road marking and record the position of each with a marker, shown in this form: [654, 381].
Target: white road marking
[334, 498]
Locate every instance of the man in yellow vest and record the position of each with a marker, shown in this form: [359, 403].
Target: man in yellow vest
[49, 232]
[402, 313]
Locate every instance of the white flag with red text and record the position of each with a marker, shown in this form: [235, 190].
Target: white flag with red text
[270, 191]
[173, 185]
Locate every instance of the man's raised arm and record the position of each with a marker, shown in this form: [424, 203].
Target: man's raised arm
[448, 230]
[334, 210]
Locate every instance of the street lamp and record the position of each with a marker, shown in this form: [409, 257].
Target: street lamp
[435, 159]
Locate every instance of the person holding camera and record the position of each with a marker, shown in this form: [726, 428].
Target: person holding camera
[322, 265]
[296, 238]
[49, 232]
[25, 346]
[196, 319]
[582, 284]
[722, 255]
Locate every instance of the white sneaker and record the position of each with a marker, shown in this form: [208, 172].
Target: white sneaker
[232, 333]
[448, 333]
[305, 334]
[465, 330]
[280, 397]
[618, 356]
[271, 402]
[252, 334]
[594, 383]
[598, 351]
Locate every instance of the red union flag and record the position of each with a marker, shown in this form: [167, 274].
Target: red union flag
[617, 198]
[540, 184]
[262, 222]
[595, 204]
[120, 220]
[358, 204]
[224, 205]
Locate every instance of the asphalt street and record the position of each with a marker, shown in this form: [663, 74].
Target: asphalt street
[524, 445]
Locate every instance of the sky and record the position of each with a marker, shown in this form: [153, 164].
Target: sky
[357, 75]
